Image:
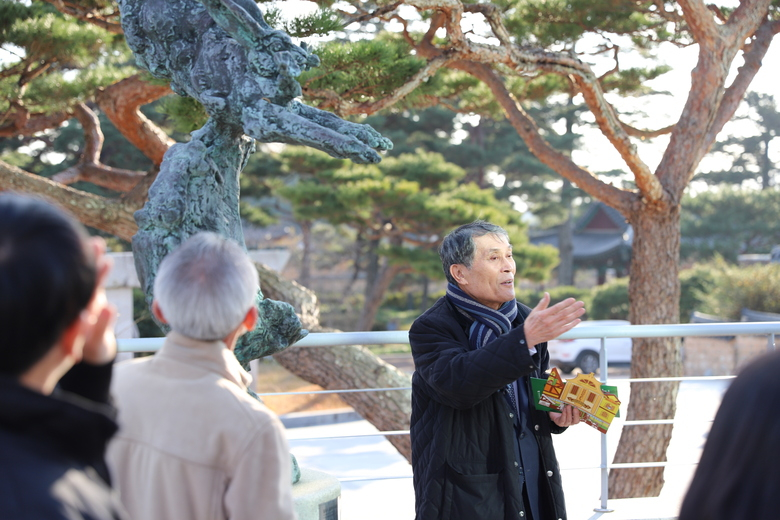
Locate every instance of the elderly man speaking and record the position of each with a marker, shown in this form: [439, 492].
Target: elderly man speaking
[479, 447]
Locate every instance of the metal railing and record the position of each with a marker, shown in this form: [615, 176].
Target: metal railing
[326, 339]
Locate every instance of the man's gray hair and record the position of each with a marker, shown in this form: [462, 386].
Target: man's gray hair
[206, 286]
[458, 246]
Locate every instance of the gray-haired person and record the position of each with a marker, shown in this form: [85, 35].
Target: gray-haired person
[192, 442]
[479, 447]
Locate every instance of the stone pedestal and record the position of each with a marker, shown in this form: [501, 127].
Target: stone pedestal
[316, 496]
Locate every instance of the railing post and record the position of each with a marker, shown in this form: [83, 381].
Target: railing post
[604, 468]
[770, 342]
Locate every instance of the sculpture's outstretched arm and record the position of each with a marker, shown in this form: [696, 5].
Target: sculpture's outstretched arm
[268, 122]
[330, 120]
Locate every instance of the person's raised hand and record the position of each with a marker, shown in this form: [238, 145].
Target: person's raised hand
[99, 316]
[546, 323]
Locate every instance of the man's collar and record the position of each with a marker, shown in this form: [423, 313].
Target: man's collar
[213, 356]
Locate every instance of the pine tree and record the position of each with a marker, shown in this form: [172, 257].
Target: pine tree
[496, 58]
[401, 208]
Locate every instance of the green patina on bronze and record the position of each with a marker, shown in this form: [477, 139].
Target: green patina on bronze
[223, 54]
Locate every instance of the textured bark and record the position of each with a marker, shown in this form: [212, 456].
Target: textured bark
[654, 299]
[113, 216]
[19, 122]
[335, 368]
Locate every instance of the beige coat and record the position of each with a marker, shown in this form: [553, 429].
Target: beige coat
[192, 444]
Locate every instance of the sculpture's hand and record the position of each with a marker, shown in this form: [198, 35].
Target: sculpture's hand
[304, 125]
[367, 135]
[364, 134]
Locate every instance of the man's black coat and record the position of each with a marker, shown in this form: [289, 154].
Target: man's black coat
[462, 427]
[52, 449]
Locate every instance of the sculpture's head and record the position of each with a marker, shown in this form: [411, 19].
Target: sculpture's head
[291, 59]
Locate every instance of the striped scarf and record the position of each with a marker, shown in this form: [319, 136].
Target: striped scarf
[488, 324]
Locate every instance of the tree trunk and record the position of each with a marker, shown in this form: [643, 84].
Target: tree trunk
[305, 274]
[375, 297]
[655, 299]
[113, 216]
[341, 367]
[566, 249]
[372, 267]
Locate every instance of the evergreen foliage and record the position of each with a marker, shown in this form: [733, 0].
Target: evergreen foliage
[58, 60]
[410, 200]
[755, 287]
[610, 301]
[730, 222]
[748, 158]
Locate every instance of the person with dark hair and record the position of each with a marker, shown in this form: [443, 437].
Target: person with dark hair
[193, 444]
[739, 472]
[56, 352]
[480, 449]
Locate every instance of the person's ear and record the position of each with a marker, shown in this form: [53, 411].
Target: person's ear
[157, 311]
[72, 340]
[250, 320]
[456, 271]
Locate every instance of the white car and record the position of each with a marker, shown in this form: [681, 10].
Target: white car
[568, 354]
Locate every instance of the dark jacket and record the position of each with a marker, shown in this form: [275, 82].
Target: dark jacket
[462, 428]
[52, 455]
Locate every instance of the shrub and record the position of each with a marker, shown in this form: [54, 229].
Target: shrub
[756, 287]
[696, 284]
[610, 301]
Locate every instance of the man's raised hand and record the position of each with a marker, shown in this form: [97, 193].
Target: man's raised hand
[546, 323]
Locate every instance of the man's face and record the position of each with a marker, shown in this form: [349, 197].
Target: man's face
[491, 278]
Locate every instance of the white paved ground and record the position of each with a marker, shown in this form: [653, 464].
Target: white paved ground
[578, 448]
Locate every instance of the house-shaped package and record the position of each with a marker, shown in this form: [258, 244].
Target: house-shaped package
[597, 407]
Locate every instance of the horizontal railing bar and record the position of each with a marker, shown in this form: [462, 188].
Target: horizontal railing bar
[664, 421]
[363, 479]
[377, 434]
[669, 379]
[628, 465]
[344, 391]
[390, 337]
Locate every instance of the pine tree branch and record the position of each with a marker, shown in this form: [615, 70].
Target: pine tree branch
[709, 103]
[365, 16]
[89, 168]
[18, 121]
[121, 103]
[527, 59]
[343, 108]
[753, 55]
[92, 16]
[529, 131]
[113, 216]
[670, 16]
[746, 18]
[645, 134]
[701, 22]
